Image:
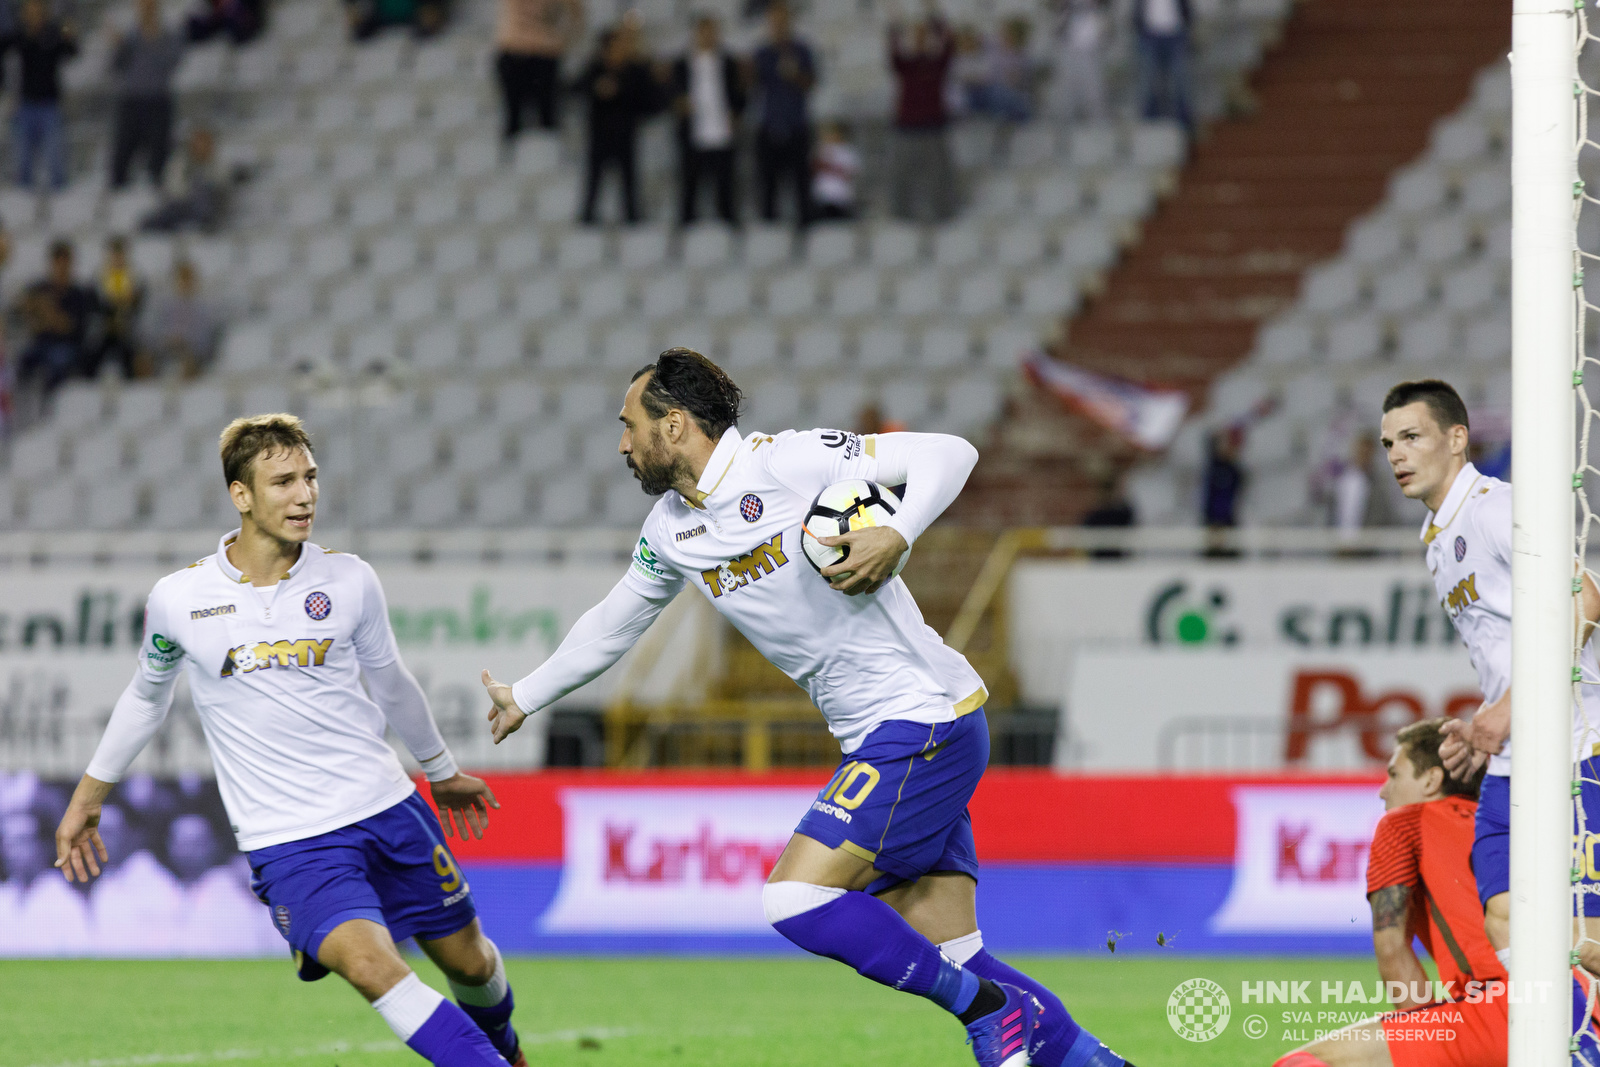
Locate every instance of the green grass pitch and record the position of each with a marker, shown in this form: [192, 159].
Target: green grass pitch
[619, 1012]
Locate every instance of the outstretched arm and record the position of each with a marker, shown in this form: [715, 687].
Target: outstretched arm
[596, 641]
[139, 713]
[934, 468]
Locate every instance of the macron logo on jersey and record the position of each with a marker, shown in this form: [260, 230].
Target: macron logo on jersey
[207, 613]
[737, 573]
[1463, 596]
[263, 655]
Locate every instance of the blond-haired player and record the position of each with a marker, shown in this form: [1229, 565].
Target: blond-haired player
[276, 634]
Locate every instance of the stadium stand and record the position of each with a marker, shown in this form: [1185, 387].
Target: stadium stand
[1347, 99]
[420, 299]
[1419, 289]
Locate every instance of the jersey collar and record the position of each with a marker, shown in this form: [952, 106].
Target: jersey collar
[717, 466]
[1460, 489]
[239, 577]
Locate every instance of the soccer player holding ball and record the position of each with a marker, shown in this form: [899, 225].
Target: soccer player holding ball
[276, 633]
[881, 873]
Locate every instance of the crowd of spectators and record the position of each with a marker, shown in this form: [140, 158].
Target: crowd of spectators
[73, 328]
[726, 105]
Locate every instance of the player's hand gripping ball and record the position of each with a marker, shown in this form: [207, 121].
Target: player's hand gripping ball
[842, 509]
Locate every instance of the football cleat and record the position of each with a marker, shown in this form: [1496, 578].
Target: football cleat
[1088, 1050]
[1002, 1038]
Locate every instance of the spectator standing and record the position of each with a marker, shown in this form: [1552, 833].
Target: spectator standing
[833, 182]
[1005, 87]
[708, 96]
[1352, 489]
[531, 36]
[785, 73]
[621, 91]
[43, 44]
[1112, 510]
[1163, 27]
[57, 313]
[238, 20]
[921, 175]
[183, 326]
[968, 71]
[121, 298]
[1079, 85]
[1224, 478]
[199, 198]
[144, 61]
[5, 354]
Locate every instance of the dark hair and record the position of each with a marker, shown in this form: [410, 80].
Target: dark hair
[60, 247]
[1444, 403]
[684, 379]
[1421, 741]
[248, 437]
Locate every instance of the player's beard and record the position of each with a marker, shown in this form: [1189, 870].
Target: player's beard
[656, 471]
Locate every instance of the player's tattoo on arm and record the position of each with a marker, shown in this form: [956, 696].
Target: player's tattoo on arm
[1391, 907]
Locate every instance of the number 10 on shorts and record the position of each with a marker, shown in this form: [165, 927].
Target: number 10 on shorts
[851, 784]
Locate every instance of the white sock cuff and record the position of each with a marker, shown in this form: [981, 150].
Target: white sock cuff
[491, 992]
[1504, 956]
[785, 900]
[408, 1005]
[961, 949]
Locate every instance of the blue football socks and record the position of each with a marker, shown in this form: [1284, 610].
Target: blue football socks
[1062, 1037]
[450, 1039]
[495, 1022]
[869, 935]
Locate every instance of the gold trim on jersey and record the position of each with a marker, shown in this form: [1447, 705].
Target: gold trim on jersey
[858, 852]
[1434, 530]
[698, 502]
[871, 445]
[972, 703]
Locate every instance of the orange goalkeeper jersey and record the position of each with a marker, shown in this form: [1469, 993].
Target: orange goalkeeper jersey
[1428, 847]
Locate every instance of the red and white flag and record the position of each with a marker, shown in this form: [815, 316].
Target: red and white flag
[1148, 417]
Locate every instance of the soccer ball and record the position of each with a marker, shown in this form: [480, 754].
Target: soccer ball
[841, 508]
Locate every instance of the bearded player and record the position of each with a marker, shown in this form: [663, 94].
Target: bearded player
[276, 634]
[881, 872]
[1420, 886]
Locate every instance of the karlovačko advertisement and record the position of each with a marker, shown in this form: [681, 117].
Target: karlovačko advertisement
[630, 862]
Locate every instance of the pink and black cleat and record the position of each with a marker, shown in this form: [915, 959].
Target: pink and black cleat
[1002, 1038]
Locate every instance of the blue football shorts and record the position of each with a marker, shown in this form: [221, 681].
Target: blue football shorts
[1491, 845]
[900, 800]
[392, 868]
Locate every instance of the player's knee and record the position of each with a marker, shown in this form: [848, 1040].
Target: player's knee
[476, 966]
[785, 900]
[374, 975]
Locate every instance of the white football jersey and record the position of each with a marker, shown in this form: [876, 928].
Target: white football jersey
[863, 660]
[1469, 555]
[298, 746]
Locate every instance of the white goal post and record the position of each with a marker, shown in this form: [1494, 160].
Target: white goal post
[1543, 359]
